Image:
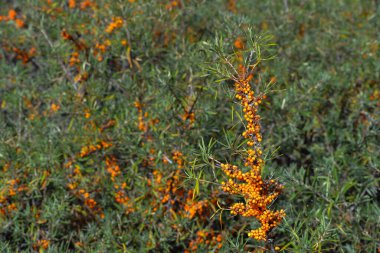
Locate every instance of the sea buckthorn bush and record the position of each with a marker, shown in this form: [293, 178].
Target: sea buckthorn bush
[189, 126]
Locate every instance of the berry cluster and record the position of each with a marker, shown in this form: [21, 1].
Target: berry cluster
[257, 192]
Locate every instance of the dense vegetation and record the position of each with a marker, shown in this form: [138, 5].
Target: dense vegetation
[115, 117]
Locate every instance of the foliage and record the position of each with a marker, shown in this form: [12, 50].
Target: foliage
[113, 115]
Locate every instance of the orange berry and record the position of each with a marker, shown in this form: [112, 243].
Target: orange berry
[12, 14]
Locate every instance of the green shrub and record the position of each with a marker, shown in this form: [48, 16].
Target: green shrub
[111, 123]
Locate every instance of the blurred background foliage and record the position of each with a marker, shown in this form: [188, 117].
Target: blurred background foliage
[110, 121]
